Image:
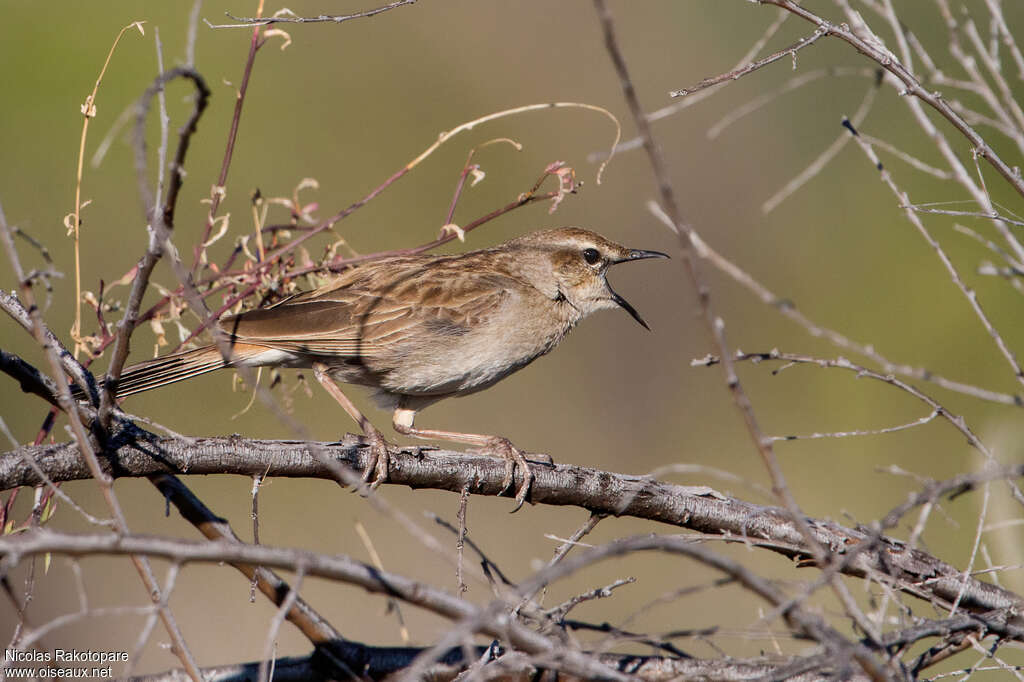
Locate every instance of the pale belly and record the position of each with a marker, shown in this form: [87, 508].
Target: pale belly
[465, 364]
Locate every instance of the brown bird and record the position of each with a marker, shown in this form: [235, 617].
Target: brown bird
[422, 328]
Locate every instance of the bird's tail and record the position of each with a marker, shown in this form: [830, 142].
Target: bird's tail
[167, 370]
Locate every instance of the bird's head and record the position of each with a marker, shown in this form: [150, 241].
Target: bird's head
[571, 263]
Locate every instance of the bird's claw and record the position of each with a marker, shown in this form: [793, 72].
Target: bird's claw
[513, 458]
[378, 467]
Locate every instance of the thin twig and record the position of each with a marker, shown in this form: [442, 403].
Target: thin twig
[923, 208]
[218, 191]
[788, 309]
[74, 220]
[791, 85]
[861, 432]
[460, 543]
[968, 293]
[736, 74]
[912, 87]
[283, 610]
[160, 219]
[291, 18]
[826, 156]
[85, 444]
[716, 327]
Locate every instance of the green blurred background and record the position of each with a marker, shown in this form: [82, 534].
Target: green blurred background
[350, 104]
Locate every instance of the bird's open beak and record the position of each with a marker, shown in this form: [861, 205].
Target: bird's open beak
[624, 304]
[635, 254]
[640, 254]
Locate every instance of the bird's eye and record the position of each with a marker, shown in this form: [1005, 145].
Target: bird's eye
[591, 256]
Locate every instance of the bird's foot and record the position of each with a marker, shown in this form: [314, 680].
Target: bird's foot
[514, 457]
[378, 467]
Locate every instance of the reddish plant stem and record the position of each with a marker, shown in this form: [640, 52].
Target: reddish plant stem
[218, 191]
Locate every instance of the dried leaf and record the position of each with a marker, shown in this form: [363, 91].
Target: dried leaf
[453, 229]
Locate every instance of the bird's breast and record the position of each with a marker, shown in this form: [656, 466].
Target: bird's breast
[445, 363]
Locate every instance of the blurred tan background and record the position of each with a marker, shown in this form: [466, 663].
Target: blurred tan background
[350, 104]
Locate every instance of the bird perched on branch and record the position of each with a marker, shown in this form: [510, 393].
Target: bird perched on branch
[421, 328]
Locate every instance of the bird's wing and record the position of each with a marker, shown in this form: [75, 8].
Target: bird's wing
[371, 314]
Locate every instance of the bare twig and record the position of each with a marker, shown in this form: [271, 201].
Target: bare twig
[336, 567]
[715, 325]
[912, 86]
[968, 293]
[919, 208]
[74, 220]
[788, 309]
[736, 74]
[811, 625]
[217, 192]
[88, 451]
[291, 18]
[792, 84]
[830, 152]
[161, 222]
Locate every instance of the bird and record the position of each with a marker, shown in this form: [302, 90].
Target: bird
[421, 328]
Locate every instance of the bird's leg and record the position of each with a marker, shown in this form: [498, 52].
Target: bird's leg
[377, 467]
[403, 423]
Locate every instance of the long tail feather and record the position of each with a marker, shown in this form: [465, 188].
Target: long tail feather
[168, 370]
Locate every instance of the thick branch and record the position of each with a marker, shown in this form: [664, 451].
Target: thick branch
[28, 377]
[384, 661]
[602, 492]
[342, 656]
[10, 304]
[490, 620]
